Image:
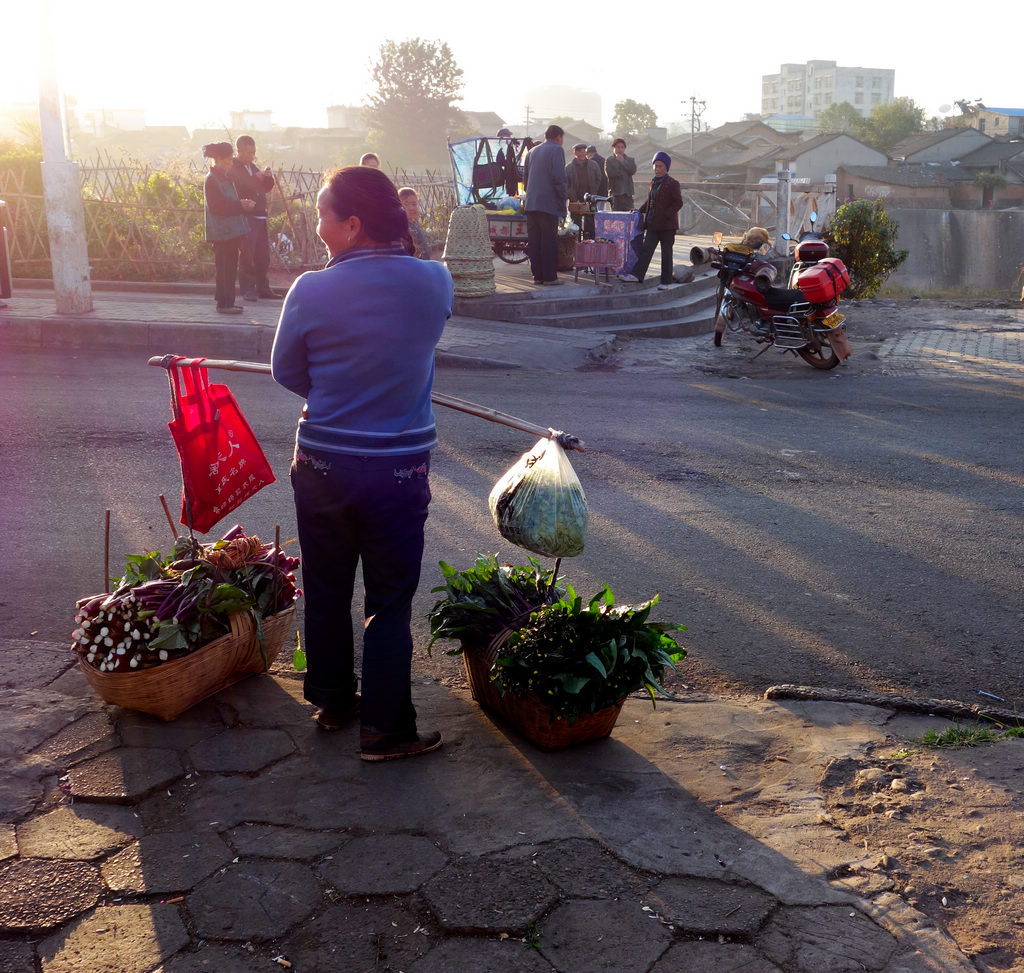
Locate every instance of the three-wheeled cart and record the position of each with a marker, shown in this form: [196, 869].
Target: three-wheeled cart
[488, 171]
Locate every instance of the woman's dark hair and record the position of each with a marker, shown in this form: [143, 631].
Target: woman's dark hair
[370, 195]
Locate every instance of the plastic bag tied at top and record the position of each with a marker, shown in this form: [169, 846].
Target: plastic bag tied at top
[539, 503]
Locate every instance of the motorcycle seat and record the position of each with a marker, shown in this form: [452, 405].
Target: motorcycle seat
[782, 298]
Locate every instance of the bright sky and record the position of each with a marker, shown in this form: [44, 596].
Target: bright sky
[192, 64]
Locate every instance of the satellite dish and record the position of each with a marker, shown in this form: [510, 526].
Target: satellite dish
[944, 108]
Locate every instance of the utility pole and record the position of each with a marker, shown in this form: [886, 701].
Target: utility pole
[696, 110]
[527, 121]
[62, 190]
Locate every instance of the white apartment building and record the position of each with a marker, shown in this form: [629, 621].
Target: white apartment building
[808, 89]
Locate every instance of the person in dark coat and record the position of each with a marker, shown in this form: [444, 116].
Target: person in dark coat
[254, 257]
[225, 223]
[660, 218]
[582, 177]
[620, 170]
[602, 189]
[546, 193]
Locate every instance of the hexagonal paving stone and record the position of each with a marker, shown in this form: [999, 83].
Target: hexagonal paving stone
[166, 862]
[8, 844]
[80, 833]
[478, 895]
[713, 957]
[93, 732]
[473, 953]
[216, 958]
[254, 900]
[273, 841]
[380, 934]
[707, 907]
[36, 894]
[617, 937]
[808, 939]
[383, 864]
[240, 751]
[125, 775]
[116, 939]
[583, 869]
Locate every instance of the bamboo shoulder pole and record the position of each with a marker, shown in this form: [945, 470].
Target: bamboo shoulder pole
[567, 440]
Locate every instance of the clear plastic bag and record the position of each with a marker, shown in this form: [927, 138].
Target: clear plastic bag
[539, 503]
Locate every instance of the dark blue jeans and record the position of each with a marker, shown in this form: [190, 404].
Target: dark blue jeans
[542, 244]
[353, 509]
[652, 239]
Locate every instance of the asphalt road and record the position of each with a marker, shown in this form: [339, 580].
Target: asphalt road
[838, 530]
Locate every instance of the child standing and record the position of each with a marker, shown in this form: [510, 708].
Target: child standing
[226, 225]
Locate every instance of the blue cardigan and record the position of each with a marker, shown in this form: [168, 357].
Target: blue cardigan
[357, 340]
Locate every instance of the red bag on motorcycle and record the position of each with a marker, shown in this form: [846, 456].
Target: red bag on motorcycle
[825, 281]
[222, 464]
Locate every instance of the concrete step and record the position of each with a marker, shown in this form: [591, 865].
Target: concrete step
[588, 305]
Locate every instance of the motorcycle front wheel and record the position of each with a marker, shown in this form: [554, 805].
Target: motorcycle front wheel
[823, 357]
[719, 317]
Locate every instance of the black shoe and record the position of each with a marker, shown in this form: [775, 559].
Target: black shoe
[376, 746]
[551, 283]
[234, 309]
[250, 297]
[336, 717]
[270, 295]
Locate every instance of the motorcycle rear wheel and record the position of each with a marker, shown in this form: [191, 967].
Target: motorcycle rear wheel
[823, 357]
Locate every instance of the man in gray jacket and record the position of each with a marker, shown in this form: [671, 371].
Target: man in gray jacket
[620, 169]
[546, 195]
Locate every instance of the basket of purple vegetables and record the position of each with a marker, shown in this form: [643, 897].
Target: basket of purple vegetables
[184, 626]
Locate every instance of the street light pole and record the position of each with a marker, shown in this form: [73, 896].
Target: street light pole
[62, 191]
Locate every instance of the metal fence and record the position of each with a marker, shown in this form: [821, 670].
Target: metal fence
[144, 223]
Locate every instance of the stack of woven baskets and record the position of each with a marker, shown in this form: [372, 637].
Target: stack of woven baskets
[468, 254]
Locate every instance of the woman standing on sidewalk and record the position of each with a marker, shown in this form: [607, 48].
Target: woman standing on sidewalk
[357, 341]
[660, 218]
[226, 225]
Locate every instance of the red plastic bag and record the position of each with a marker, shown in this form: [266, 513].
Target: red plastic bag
[222, 464]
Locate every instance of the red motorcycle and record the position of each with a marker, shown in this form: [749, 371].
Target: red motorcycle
[802, 318]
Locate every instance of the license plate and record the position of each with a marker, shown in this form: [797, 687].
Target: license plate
[833, 320]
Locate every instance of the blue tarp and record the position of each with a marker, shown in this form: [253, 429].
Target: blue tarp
[480, 168]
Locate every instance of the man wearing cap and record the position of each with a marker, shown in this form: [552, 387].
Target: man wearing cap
[254, 258]
[620, 170]
[660, 219]
[582, 177]
[544, 178]
[592, 155]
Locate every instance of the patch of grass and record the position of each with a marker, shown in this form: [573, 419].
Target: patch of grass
[532, 934]
[960, 735]
[902, 754]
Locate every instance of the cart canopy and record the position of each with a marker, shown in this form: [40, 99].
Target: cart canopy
[487, 169]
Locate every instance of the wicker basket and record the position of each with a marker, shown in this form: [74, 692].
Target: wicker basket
[566, 252]
[169, 689]
[529, 714]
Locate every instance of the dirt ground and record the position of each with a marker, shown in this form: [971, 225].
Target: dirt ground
[941, 828]
[948, 823]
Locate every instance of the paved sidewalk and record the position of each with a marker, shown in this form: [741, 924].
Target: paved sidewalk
[242, 838]
[183, 322]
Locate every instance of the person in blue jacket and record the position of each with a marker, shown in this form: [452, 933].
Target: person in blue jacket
[356, 340]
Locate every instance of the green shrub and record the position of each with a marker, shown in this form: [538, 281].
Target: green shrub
[863, 236]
